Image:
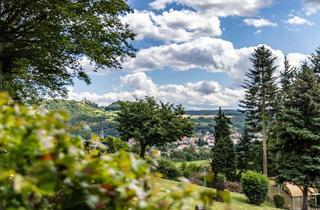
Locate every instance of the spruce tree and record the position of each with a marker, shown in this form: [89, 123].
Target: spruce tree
[223, 155]
[245, 152]
[260, 97]
[299, 145]
[286, 77]
[315, 61]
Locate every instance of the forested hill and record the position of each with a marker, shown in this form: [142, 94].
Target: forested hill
[231, 112]
[100, 119]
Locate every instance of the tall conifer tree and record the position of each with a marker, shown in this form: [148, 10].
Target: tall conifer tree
[260, 98]
[223, 155]
[299, 145]
[245, 152]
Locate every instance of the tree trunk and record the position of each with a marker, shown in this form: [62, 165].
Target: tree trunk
[1, 68]
[305, 199]
[142, 150]
[264, 131]
[264, 148]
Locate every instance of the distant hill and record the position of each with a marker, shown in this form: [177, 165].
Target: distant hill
[100, 119]
[204, 121]
[97, 118]
[213, 112]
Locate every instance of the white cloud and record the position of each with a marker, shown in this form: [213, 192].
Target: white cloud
[199, 95]
[258, 23]
[218, 7]
[138, 81]
[210, 54]
[296, 59]
[173, 25]
[296, 20]
[311, 6]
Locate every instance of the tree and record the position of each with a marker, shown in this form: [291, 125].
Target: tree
[42, 43]
[315, 61]
[151, 123]
[299, 145]
[259, 102]
[223, 155]
[287, 77]
[245, 152]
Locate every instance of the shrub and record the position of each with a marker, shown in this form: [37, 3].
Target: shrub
[190, 169]
[221, 178]
[168, 169]
[224, 196]
[255, 186]
[115, 144]
[279, 201]
[209, 179]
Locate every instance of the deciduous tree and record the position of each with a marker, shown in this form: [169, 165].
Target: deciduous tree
[152, 123]
[43, 41]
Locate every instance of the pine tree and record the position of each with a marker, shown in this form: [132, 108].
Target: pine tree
[260, 97]
[286, 77]
[315, 61]
[299, 145]
[245, 152]
[223, 155]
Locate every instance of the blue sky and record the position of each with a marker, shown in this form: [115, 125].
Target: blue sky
[195, 53]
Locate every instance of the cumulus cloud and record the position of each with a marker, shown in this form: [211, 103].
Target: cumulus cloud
[210, 54]
[258, 23]
[296, 20]
[199, 95]
[296, 59]
[311, 6]
[218, 7]
[173, 25]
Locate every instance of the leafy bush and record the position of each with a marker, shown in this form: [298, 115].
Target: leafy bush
[279, 201]
[255, 186]
[168, 169]
[224, 196]
[209, 179]
[44, 167]
[115, 144]
[221, 178]
[190, 169]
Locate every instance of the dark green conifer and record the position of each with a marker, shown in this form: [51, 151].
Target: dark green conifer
[223, 155]
[299, 144]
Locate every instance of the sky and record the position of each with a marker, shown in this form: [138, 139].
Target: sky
[195, 52]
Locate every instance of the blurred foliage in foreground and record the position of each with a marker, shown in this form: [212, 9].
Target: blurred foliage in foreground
[44, 167]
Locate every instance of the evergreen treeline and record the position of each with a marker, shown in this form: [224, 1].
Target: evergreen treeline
[282, 125]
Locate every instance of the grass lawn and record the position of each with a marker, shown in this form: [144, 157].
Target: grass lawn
[160, 186]
[196, 162]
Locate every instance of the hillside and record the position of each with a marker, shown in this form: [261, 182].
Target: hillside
[99, 121]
